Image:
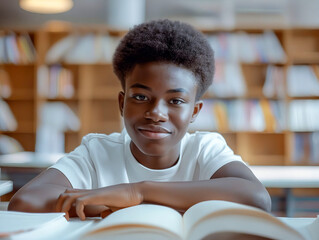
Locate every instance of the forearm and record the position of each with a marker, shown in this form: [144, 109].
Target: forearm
[182, 195]
[44, 199]
[36, 198]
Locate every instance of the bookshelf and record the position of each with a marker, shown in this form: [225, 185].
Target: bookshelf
[95, 89]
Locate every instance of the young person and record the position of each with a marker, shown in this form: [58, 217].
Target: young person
[164, 68]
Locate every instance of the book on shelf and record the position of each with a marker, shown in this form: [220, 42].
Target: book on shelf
[247, 47]
[83, 49]
[206, 220]
[302, 80]
[55, 81]
[305, 148]
[228, 81]
[17, 49]
[241, 115]
[7, 120]
[205, 121]
[274, 85]
[55, 118]
[303, 115]
[9, 145]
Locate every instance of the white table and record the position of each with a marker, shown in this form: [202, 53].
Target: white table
[287, 178]
[5, 187]
[29, 159]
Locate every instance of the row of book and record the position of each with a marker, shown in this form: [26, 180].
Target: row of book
[54, 82]
[303, 80]
[303, 115]
[228, 80]
[7, 120]
[5, 86]
[17, 49]
[241, 115]
[274, 85]
[244, 47]
[305, 148]
[81, 49]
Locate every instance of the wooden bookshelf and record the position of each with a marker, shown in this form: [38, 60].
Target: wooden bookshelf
[96, 89]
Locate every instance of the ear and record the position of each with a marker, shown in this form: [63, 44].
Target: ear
[198, 106]
[121, 97]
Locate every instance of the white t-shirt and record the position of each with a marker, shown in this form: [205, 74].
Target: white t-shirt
[103, 160]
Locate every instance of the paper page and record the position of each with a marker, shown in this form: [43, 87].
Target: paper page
[154, 216]
[221, 216]
[13, 222]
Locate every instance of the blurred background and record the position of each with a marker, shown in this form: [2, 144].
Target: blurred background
[57, 83]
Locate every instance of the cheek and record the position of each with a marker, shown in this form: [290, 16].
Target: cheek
[182, 117]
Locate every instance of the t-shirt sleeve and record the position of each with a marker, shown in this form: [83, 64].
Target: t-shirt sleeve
[214, 153]
[77, 167]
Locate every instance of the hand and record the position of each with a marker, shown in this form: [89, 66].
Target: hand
[113, 198]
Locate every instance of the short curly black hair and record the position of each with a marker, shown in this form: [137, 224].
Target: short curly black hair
[166, 41]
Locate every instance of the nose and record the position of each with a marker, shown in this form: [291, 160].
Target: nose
[157, 112]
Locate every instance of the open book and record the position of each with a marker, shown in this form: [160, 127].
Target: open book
[21, 225]
[206, 220]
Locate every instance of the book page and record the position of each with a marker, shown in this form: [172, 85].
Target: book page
[147, 216]
[210, 217]
[16, 222]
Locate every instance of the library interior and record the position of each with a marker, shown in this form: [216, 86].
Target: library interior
[57, 85]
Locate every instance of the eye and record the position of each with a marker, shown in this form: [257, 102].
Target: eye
[140, 97]
[177, 101]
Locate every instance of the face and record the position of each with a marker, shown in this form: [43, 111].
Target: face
[157, 105]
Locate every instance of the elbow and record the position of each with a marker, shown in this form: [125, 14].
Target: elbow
[22, 203]
[262, 200]
[16, 204]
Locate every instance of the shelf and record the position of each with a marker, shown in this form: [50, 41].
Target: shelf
[96, 88]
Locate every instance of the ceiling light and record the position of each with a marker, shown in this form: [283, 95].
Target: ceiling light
[46, 6]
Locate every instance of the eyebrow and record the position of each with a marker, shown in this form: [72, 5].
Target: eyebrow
[176, 90]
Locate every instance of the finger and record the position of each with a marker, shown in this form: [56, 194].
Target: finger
[79, 208]
[68, 201]
[67, 216]
[61, 199]
[105, 213]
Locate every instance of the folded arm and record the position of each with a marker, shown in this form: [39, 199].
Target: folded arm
[233, 182]
[51, 191]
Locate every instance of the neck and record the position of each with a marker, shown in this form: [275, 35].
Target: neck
[164, 161]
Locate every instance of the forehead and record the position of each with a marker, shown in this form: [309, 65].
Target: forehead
[159, 74]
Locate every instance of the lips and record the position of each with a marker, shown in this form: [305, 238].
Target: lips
[154, 131]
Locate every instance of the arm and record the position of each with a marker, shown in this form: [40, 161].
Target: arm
[42, 193]
[233, 182]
